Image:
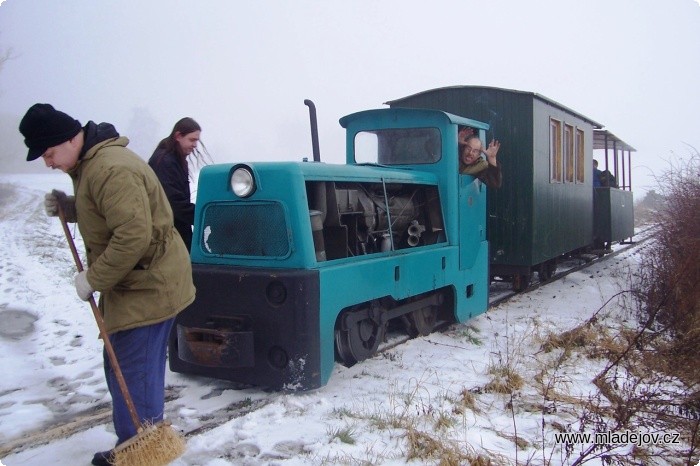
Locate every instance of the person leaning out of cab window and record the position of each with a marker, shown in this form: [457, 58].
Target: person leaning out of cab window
[472, 163]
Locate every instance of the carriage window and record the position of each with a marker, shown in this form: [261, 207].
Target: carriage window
[580, 166]
[555, 156]
[398, 146]
[569, 153]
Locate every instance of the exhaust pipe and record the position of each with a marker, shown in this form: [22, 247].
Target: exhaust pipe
[314, 130]
[415, 230]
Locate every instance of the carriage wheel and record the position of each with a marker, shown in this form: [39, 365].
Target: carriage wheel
[546, 270]
[358, 339]
[421, 321]
[521, 281]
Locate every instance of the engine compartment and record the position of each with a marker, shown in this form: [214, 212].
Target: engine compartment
[358, 218]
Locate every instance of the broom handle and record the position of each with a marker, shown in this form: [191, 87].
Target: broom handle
[101, 325]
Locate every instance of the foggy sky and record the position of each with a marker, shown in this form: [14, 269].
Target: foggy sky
[243, 69]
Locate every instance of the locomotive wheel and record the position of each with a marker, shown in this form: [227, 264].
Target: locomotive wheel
[420, 322]
[358, 339]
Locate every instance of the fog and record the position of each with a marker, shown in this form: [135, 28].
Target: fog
[243, 69]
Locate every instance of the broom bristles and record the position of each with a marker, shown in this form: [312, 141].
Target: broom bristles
[154, 445]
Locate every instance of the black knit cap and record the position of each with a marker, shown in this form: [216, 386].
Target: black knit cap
[43, 126]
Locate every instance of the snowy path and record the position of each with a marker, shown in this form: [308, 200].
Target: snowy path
[51, 360]
[47, 346]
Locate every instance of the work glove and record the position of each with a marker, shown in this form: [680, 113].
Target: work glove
[82, 287]
[55, 198]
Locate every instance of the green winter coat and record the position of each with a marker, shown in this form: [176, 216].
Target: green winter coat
[136, 259]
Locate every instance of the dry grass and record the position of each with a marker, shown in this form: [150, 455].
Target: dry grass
[466, 401]
[505, 380]
[345, 435]
[582, 336]
[425, 447]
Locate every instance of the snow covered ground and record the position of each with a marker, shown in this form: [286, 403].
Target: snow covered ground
[432, 393]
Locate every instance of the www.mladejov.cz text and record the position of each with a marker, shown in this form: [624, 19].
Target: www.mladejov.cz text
[625, 437]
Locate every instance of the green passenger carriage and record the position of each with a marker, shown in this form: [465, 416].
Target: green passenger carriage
[545, 208]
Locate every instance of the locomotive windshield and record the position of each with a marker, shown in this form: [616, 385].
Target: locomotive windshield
[398, 146]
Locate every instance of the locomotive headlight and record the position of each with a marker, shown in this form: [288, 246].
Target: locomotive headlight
[242, 182]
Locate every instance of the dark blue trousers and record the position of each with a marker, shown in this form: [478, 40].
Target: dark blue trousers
[141, 356]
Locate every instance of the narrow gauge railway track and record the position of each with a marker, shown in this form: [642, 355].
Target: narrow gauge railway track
[102, 413]
[559, 275]
[98, 415]
[500, 297]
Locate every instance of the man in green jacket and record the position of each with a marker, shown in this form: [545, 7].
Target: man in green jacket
[135, 257]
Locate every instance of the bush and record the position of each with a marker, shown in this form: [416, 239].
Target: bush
[670, 277]
[652, 381]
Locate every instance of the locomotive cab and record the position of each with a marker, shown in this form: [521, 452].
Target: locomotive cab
[298, 265]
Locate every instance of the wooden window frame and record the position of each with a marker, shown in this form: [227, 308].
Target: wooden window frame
[580, 156]
[568, 144]
[555, 151]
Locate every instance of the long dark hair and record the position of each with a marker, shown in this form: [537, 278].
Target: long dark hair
[185, 126]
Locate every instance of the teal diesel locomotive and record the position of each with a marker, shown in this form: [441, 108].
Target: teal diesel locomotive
[301, 264]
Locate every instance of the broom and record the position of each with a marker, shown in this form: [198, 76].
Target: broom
[154, 444]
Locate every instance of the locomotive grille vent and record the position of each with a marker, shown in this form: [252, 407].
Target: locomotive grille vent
[245, 230]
